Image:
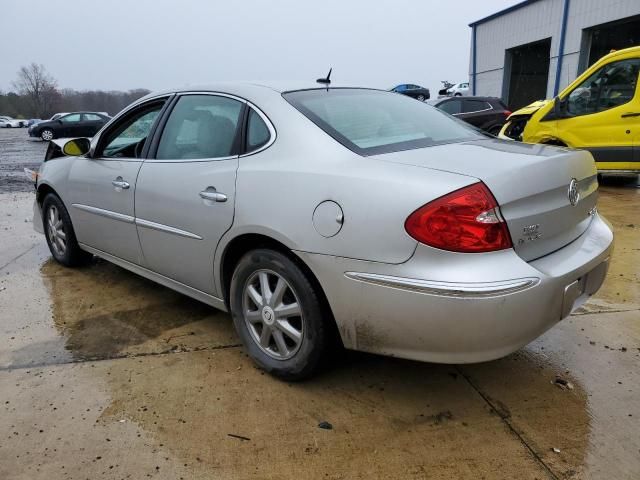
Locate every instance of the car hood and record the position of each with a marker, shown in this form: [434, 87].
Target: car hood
[531, 108]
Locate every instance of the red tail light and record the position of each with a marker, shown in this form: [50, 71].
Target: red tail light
[507, 113]
[466, 220]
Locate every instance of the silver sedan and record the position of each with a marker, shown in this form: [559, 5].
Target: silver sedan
[333, 213]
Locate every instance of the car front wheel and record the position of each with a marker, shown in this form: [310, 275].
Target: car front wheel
[278, 314]
[60, 235]
[421, 98]
[46, 134]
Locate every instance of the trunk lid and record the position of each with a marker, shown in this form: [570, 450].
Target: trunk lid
[530, 182]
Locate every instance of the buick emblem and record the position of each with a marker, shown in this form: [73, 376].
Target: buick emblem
[573, 193]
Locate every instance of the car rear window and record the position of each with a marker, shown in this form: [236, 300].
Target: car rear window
[371, 122]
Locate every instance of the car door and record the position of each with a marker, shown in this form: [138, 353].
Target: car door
[601, 113]
[69, 125]
[102, 188]
[185, 193]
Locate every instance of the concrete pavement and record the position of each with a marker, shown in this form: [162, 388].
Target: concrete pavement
[105, 374]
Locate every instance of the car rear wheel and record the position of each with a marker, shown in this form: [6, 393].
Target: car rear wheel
[458, 95]
[59, 233]
[46, 134]
[278, 314]
[420, 97]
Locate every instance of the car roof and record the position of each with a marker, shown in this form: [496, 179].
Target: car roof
[250, 89]
[487, 99]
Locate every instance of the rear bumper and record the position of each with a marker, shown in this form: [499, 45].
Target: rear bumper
[460, 308]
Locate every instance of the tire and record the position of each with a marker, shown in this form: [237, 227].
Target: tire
[47, 134]
[457, 95]
[59, 233]
[263, 326]
[420, 98]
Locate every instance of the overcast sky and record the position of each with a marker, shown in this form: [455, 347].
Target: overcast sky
[156, 44]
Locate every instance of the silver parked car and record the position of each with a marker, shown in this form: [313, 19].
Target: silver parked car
[351, 212]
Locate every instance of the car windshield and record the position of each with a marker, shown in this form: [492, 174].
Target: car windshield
[371, 122]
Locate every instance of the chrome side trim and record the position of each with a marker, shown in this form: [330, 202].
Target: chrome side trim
[476, 111]
[446, 289]
[105, 213]
[165, 228]
[161, 279]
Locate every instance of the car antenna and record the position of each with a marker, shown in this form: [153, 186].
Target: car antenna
[326, 81]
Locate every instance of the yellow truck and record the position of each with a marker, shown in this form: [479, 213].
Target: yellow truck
[599, 112]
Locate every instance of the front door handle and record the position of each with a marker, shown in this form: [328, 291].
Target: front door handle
[211, 194]
[630, 114]
[120, 183]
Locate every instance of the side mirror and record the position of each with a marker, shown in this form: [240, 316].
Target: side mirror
[77, 147]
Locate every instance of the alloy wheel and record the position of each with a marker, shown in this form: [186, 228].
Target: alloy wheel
[47, 135]
[57, 235]
[273, 314]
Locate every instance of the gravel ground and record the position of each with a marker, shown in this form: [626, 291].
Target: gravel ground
[17, 151]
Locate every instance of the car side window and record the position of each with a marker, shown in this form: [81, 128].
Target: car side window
[200, 126]
[610, 86]
[74, 117]
[126, 138]
[257, 132]
[470, 106]
[92, 117]
[451, 107]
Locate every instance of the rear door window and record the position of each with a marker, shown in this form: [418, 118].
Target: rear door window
[470, 106]
[451, 107]
[201, 126]
[92, 117]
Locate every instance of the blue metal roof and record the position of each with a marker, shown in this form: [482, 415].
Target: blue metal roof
[503, 12]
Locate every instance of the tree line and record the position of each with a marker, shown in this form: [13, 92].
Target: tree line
[36, 95]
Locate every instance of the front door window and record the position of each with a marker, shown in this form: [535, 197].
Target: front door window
[611, 86]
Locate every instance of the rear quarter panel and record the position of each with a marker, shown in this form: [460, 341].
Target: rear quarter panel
[278, 190]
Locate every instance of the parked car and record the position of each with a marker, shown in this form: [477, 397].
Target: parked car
[53, 117]
[8, 122]
[459, 90]
[599, 112]
[77, 124]
[33, 121]
[486, 113]
[413, 91]
[310, 212]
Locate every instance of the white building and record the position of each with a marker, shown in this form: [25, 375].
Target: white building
[535, 48]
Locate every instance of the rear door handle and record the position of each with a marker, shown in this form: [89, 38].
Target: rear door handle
[211, 194]
[120, 183]
[630, 114]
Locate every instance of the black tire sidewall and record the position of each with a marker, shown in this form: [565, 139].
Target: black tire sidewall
[307, 358]
[73, 255]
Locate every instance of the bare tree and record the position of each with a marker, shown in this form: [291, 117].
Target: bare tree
[38, 86]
